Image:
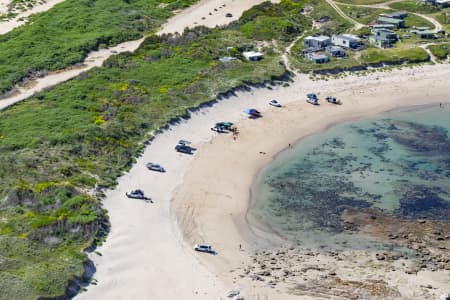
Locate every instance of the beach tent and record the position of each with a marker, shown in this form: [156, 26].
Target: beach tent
[252, 112]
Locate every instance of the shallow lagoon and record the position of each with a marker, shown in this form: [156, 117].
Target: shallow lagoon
[398, 162]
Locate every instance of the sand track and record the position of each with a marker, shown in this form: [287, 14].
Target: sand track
[184, 19]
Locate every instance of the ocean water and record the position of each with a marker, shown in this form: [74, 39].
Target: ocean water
[398, 162]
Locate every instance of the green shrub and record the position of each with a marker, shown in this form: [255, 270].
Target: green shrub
[441, 51]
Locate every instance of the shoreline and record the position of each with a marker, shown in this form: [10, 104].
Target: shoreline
[253, 224]
[204, 208]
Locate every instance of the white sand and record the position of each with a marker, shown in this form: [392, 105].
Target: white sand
[20, 19]
[192, 16]
[4, 6]
[144, 256]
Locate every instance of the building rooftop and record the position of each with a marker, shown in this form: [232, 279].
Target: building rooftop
[226, 59]
[382, 26]
[318, 56]
[384, 30]
[422, 28]
[252, 53]
[424, 32]
[334, 48]
[390, 20]
[321, 38]
[397, 14]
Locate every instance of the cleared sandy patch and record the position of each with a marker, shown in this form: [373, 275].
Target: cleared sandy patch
[4, 6]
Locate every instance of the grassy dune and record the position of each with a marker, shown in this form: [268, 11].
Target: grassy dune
[65, 34]
[82, 134]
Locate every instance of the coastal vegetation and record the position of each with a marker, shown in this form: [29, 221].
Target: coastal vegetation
[361, 2]
[414, 6]
[440, 51]
[60, 148]
[65, 34]
[363, 14]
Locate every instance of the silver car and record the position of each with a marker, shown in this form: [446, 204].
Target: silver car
[155, 167]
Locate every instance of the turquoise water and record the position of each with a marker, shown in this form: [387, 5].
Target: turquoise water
[398, 162]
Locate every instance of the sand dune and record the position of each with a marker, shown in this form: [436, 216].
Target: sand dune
[20, 18]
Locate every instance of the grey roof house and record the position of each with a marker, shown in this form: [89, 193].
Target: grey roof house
[382, 26]
[443, 3]
[424, 34]
[346, 40]
[335, 51]
[440, 3]
[395, 15]
[383, 38]
[318, 58]
[318, 42]
[399, 23]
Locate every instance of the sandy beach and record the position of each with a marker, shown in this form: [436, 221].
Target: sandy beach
[208, 13]
[212, 202]
[148, 253]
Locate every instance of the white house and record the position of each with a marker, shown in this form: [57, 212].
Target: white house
[318, 42]
[253, 55]
[346, 40]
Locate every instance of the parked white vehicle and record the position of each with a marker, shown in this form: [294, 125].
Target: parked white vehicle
[233, 293]
[275, 103]
[203, 248]
[155, 167]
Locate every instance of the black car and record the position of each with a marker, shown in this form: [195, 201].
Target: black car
[332, 99]
[183, 149]
[228, 15]
[138, 194]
